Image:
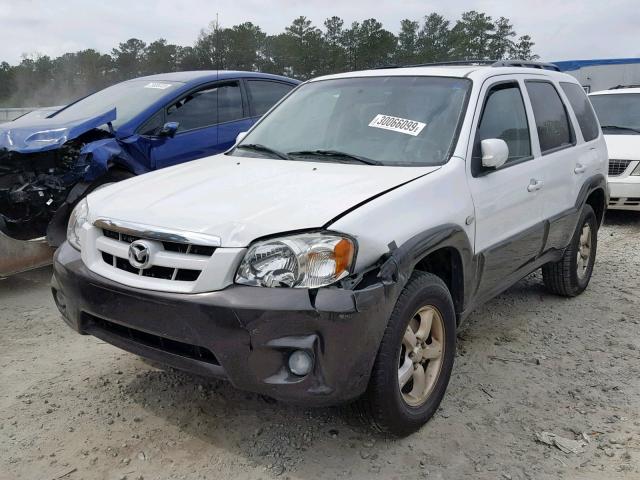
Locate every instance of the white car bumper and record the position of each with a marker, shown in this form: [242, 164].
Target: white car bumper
[624, 190]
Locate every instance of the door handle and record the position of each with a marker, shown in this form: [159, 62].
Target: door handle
[579, 168]
[534, 185]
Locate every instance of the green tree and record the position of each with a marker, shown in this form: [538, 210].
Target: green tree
[501, 43]
[471, 36]
[245, 46]
[335, 58]
[303, 45]
[376, 45]
[160, 57]
[407, 50]
[7, 85]
[523, 49]
[129, 58]
[210, 47]
[434, 39]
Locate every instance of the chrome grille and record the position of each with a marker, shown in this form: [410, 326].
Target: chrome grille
[175, 261]
[617, 167]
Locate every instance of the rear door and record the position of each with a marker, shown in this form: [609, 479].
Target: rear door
[209, 119]
[508, 200]
[564, 155]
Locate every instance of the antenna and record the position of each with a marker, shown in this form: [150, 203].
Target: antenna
[217, 77]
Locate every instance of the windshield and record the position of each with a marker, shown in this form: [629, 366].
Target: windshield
[376, 120]
[619, 113]
[129, 98]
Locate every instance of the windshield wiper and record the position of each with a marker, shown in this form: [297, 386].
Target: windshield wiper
[619, 127]
[257, 147]
[336, 154]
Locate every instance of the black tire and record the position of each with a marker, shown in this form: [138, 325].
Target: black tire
[57, 228]
[382, 406]
[561, 277]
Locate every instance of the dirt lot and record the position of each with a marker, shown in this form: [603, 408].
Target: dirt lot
[73, 407]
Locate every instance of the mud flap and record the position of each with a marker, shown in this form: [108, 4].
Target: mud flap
[21, 255]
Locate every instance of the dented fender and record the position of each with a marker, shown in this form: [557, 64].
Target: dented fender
[132, 153]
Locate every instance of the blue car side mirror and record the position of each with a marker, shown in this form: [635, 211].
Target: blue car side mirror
[169, 129]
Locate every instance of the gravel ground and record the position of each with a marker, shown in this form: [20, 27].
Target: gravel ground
[73, 407]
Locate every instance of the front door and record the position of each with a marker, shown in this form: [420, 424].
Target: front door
[508, 200]
[209, 119]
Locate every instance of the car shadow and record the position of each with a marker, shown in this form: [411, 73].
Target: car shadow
[617, 218]
[269, 434]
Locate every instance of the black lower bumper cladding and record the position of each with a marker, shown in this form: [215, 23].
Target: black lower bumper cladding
[243, 334]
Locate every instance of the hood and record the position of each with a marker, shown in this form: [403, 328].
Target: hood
[41, 134]
[623, 147]
[240, 199]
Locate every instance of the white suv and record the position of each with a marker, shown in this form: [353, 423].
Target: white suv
[619, 112]
[331, 255]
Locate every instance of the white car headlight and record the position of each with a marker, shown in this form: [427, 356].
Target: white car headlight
[308, 260]
[79, 216]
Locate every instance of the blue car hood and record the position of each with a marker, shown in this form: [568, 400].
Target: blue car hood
[42, 134]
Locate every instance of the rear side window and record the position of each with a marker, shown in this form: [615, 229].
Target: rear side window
[505, 117]
[206, 107]
[552, 122]
[583, 110]
[265, 94]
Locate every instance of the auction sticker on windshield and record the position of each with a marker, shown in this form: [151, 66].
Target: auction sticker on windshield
[397, 124]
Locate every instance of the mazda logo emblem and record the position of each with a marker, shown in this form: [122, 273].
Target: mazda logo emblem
[140, 254]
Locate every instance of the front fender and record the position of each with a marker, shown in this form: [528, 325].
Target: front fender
[132, 153]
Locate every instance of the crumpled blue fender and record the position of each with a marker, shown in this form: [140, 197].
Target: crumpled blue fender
[132, 153]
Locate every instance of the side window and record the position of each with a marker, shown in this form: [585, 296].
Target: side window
[583, 110]
[265, 94]
[206, 107]
[552, 122]
[504, 116]
[229, 102]
[153, 125]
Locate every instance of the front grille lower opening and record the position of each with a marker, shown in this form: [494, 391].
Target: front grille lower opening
[168, 345]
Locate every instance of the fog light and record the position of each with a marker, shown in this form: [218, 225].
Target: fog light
[300, 363]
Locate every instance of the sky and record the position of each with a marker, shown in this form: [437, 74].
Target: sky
[561, 29]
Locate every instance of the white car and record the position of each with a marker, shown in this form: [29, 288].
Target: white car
[332, 253]
[618, 110]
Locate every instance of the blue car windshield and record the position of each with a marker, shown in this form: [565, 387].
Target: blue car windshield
[129, 98]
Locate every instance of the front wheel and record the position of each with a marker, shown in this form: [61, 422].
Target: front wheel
[413, 366]
[570, 275]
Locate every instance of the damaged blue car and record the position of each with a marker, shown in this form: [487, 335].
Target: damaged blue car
[48, 163]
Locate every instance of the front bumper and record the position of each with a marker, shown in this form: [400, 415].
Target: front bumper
[243, 334]
[624, 193]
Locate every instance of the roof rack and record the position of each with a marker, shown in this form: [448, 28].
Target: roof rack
[526, 64]
[618, 87]
[488, 63]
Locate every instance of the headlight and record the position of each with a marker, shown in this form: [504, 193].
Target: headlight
[79, 216]
[308, 260]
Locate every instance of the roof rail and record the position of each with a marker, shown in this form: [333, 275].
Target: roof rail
[618, 87]
[526, 64]
[488, 63]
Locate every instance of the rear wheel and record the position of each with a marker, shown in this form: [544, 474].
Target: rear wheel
[570, 275]
[413, 366]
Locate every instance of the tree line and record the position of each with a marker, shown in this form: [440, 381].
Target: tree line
[302, 51]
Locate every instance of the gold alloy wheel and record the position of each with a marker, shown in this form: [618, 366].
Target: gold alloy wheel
[421, 354]
[584, 251]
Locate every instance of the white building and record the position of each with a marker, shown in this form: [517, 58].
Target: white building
[603, 74]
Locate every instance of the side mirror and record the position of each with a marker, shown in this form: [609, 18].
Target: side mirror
[169, 129]
[240, 137]
[495, 152]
